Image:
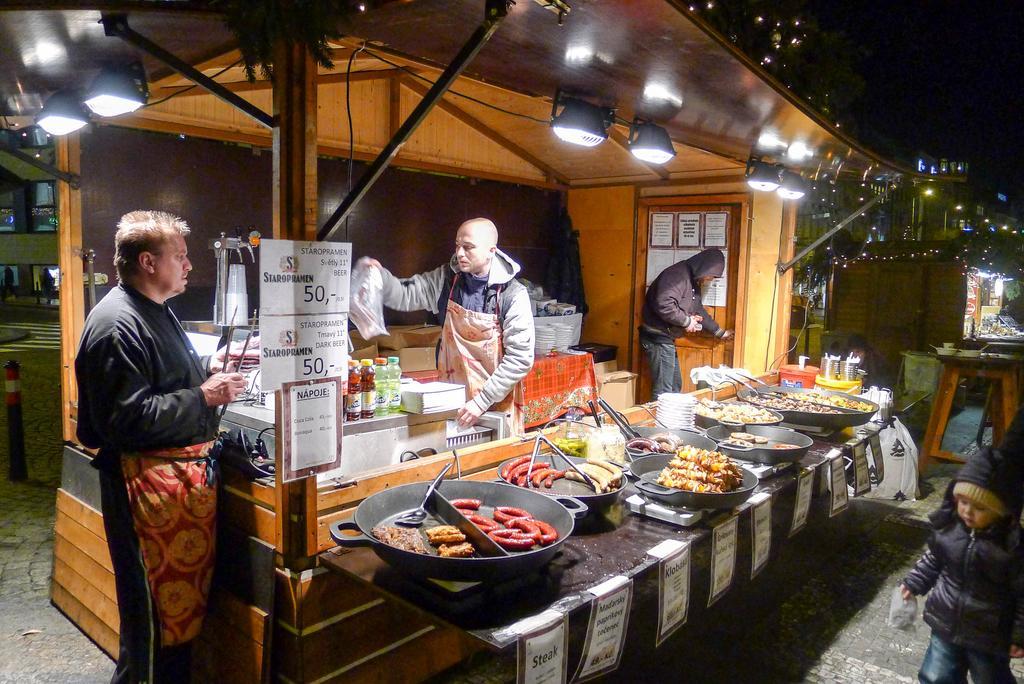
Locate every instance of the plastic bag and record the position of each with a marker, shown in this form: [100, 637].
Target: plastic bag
[367, 306]
[899, 454]
[902, 612]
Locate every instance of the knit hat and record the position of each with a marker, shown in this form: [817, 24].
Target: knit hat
[992, 473]
[981, 496]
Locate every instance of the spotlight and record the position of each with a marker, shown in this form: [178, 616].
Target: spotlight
[579, 122]
[650, 143]
[118, 90]
[762, 175]
[792, 185]
[62, 114]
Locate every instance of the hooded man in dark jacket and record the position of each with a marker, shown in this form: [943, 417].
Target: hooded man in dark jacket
[672, 308]
[974, 571]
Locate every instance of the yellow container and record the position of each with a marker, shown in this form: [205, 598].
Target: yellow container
[848, 386]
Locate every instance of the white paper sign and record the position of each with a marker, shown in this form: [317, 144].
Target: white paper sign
[862, 476]
[657, 261]
[299, 277]
[313, 425]
[716, 224]
[688, 230]
[723, 558]
[606, 631]
[802, 505]
[673, 591]
[760, 531]
[837, 479]
[541, 652]
[715, 293]
[661, 230]
[301, 348]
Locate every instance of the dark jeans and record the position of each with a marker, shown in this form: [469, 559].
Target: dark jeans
[664, 363]
[946, 663]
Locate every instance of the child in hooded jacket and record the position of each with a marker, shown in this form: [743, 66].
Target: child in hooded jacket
[973, 573]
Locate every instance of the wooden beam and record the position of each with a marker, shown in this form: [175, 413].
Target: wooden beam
[621, 140]
[394, 106]
[192, 90]
[69, 256]
[218, 62]
[489, 133]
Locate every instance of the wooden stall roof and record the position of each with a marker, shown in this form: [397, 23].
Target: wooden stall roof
[649, 58]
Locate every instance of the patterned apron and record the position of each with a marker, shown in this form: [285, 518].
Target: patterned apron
[173, 498]
[470, 351]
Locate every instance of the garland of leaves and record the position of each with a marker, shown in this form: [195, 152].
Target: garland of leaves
[261, 24]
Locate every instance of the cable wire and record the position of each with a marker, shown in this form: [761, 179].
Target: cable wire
[191, 87]
[351, 133]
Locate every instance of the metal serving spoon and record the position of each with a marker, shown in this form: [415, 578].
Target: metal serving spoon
[416, 516]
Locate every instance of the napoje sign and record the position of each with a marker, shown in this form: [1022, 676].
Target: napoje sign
[299, 277]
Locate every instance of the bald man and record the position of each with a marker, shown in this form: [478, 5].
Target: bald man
[486, 317]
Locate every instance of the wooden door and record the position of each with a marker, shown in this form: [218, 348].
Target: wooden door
[696, 223]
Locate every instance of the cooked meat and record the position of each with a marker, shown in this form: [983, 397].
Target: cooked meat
[445, 534]
[402, 538]
[463, 550]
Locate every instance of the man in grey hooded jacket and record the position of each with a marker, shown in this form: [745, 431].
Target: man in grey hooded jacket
[477, 283]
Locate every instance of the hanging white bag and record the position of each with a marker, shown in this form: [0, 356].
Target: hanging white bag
[899, 463]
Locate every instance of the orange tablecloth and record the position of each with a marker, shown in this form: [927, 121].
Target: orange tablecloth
[557, 383]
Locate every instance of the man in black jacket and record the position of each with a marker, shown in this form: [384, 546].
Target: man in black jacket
[973, 573]
[672, 308]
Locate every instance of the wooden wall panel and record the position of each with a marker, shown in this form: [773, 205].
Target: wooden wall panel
[72, 298]
[370, 106]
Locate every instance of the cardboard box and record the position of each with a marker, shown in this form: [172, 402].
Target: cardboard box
[619, 389]
[367, 351]
[403, 336]
[605, 368]
[417, 358]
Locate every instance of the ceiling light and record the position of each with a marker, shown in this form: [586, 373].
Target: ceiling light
[798, 151]
[792, 185]
[118, 90]
[769, 139]
[762, 175]
[579, 122]
[658, 91]
[650, 143]
[62, 114]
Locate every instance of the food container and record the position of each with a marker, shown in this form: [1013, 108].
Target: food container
[792, 375]
[607, 443]
[572, 438]
[848, 386]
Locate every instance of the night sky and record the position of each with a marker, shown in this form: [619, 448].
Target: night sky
[942, 77]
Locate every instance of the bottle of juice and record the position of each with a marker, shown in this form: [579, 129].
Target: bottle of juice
[380, 373]
[368, 385]
[354, 392]
[395, 378]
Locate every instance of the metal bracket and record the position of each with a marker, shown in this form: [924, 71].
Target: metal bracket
[494, 12]
[783, 267]
[117, 25]
[72, 179]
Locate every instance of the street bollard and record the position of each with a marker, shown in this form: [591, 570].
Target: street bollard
[15, 430]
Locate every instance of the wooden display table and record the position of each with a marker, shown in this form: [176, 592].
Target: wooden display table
[1001, 369]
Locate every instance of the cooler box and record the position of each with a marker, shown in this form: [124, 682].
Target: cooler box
[791, 375]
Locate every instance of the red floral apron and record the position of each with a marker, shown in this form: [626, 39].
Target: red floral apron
[173, 498]
[470, 351]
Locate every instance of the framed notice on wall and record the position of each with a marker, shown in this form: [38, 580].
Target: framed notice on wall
[662, 229]
[715, 293]
[716, 228]
[689, 230]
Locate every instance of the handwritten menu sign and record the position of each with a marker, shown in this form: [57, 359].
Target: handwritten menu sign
[673, 586]
[606, 631]
[803, 500]
[661, 229]
[861, 474]
[541, 650]
[760, 531]
[716, 225]
[689, 230]
[723, 558]
[837, 480]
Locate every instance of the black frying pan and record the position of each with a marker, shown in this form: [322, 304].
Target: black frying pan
[566, 487]
[762, 453]
[688, 438]
[837, 419]
[384, 505]
[708, 422]
[648, 469]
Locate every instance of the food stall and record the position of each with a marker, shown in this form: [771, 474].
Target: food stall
[295, 606]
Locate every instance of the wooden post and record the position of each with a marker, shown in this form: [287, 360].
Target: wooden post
[72, 294]
[295, 218]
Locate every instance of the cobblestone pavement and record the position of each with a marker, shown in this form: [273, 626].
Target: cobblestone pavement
[828, 626]
[37, 643]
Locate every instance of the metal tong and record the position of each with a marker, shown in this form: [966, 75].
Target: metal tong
[565, 457]
[624, 427]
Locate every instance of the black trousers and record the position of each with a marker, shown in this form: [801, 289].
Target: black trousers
[141, 659]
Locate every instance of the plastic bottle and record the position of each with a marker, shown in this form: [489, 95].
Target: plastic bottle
[380, 408]
[395, 378]
[354, 392]
[368, 385]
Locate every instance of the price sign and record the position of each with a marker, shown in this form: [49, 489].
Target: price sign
[760, 531]
[837, 482]
[304, 277]
[673, 587]
[541, 651]
[723, 558]
[802, 506]
[296, 348]
[311, 421]
[861, 474]
[606, 631]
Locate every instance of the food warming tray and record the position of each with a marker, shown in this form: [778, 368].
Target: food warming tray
[842, 418]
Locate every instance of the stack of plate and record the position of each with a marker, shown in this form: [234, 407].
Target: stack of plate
[676, 411]
[545, 340]
[564, 337]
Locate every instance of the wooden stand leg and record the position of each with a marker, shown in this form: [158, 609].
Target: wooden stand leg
[939, 417]
[1008, 407]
